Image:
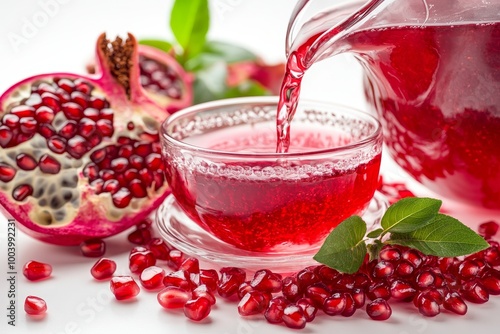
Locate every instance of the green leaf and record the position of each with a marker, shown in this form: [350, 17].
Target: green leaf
[190, 21]
[210, 83]
[375, 233]
[247, 88]
[410, 214]
[443, 236]
[344, 249]
[159, 44]
[229, 52]
[218, 51]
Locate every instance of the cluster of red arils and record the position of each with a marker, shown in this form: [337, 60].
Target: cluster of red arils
[433, 285]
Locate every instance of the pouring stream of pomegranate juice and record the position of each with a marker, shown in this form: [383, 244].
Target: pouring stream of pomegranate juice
[431, 74]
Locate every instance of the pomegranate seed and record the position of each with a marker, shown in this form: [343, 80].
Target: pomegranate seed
[83, 87]
[413, 257]
[77, 146]
[56, 144]
[294, 317]
[275, 310]
[125, 151]
[44, 114]
[308, 308]
[179, 279]
[152, 277]
[175, 259]
[428, 307]
[105, 127]
[191, 265]
[107, 174]
[140, 236]
[44, 87]
[35, 306]
[137, 189]
[488, 229]
[379, 309]
[203, 291]
[491, 284]
[35, 271]
[20, 193]
[425, 279]
[98, 102]
[51, 101]
[72, 110]
[159, 248]
[197, 309]
[253, 302]
[122, 198]
[93, 248]
[468, 269]
[26, 162]
[326, 274]
[98, 156]
[86, 127]
[390, 254]
[492, 256]
[67, 85]
[335, 304]
[34, 101]
[307, 277]
[243, 289]
[124, 287]
[173, 297]
[111, 186]
[7, 172]
[12, 121]
[154, 161]
[142, 149]
[383, 269]
[104, 268]
[146, 176]
[159, 179]
[378, 290]
[138, 261]
[265, 280]
[474, 292]
[402, 290]
[350, 306]
[91, 171]
[119, 165]
[318, 293]
[5, 135]
[210, 278]
[92, 114]
[431, 293]
[453, 302]
[136, 161]
[230, 280]
[23, 111]
[49, 164]
[359, 297]
[291, 289]
[46, 130]
[106, 113]
[28, 125]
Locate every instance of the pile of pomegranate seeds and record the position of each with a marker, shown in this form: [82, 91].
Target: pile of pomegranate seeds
[433, 285]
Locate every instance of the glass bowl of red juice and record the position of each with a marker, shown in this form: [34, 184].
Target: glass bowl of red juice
[225, 174]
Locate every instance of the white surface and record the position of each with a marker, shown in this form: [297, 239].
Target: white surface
[78, 304]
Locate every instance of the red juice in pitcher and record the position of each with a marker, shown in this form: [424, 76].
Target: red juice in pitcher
[435, 89]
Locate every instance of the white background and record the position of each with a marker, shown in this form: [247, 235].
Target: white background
[64, 41]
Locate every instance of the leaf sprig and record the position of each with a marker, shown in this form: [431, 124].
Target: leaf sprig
[412, 222]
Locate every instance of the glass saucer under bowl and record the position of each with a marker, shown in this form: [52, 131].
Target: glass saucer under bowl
[178, 230]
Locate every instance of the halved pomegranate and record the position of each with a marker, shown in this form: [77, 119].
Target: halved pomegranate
[80, 155]
[163, 79]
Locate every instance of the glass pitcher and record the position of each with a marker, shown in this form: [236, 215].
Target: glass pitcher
[432, 75]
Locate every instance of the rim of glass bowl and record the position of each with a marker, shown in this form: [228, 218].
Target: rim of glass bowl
[266, 101]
